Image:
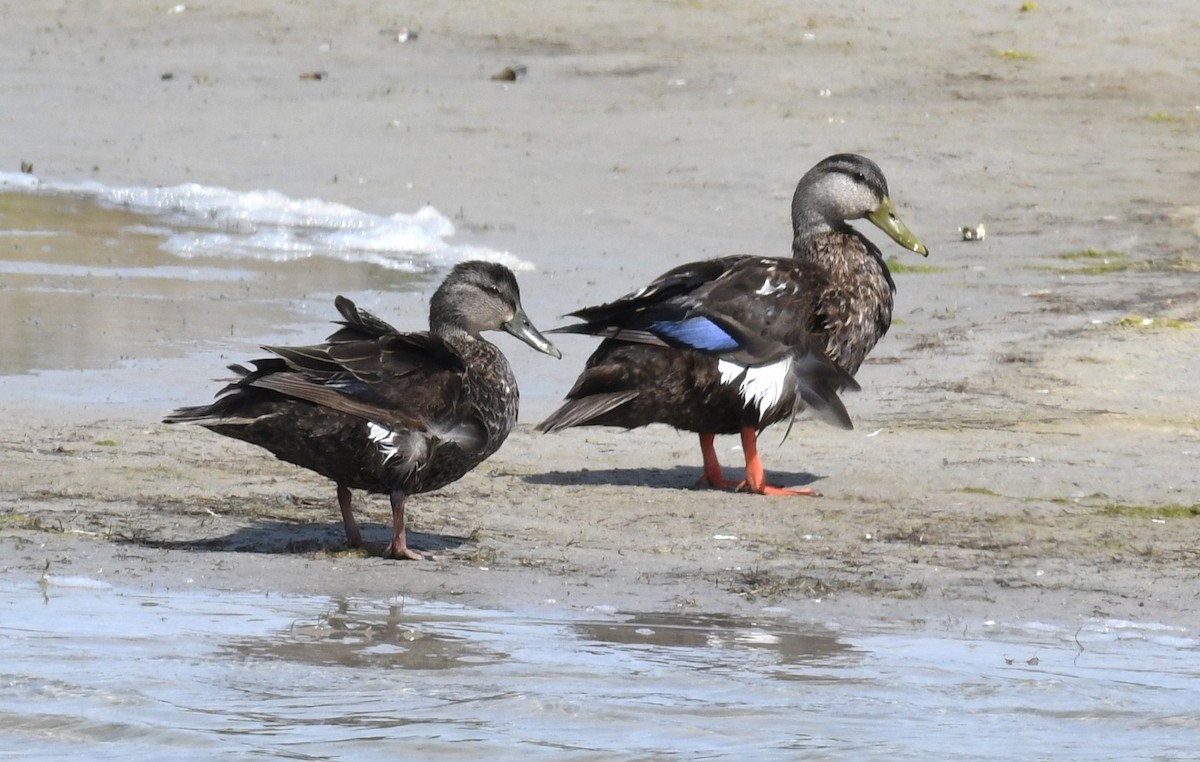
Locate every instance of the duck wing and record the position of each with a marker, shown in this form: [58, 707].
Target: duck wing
[357, 323]
[754, 315]
[769, 307]
[412, 382]
[672, 284]
[400, 380]
[747, 310]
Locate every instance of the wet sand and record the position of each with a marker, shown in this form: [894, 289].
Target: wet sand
[1025, 444]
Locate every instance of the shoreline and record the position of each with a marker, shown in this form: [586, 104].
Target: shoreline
[1025, 445]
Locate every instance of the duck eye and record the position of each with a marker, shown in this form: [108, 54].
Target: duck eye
[860, 177]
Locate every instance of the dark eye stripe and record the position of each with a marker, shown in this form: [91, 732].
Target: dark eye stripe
[858, 176]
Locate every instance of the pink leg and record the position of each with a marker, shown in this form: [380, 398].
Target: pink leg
[398, 548]
[352, 534]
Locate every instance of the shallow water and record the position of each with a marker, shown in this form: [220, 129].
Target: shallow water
[113, 674]
[94, 276]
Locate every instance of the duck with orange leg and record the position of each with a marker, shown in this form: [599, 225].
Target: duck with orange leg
[733, 345]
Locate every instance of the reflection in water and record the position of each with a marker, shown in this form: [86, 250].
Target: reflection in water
[112, 675]
[372, 637]
[710, 633]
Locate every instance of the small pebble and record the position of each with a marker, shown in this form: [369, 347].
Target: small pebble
[510, 74]
[976, 233]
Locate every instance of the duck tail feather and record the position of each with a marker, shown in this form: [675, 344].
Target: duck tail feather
[579, 412]
[209, 415]
[818, 381]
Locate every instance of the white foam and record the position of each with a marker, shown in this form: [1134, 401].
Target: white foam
[1112, 631]
[212, 221]
[18, 181]
[83, 583]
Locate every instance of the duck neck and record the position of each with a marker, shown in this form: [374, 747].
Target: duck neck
[447, 317]
[811, 231]
[452, 330]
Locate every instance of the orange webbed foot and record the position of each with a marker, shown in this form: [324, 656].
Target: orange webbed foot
[774, 491]
[756, 478]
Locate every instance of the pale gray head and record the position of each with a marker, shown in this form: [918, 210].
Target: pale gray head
[844, 187]
[483, 296]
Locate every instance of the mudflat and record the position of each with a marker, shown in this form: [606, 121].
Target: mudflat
[1026, 441]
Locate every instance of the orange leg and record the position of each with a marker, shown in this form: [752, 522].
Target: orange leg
[756, 478]
[713, 477]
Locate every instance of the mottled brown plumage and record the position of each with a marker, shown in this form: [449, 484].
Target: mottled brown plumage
[681, 386]
[801, 327]
[383, 411]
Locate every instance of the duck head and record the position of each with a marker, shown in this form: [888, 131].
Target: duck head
[483, 296]
[844, 187]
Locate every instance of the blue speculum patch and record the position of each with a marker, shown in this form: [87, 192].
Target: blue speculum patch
[698, 332]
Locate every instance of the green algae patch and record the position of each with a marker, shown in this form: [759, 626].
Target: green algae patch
[1164, 117]
[1141, 323]
[1168, 511]
[979, 491]
[1097, 261]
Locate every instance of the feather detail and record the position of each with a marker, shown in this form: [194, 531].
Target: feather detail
[697, 332]
[579, 412]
